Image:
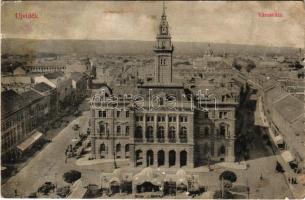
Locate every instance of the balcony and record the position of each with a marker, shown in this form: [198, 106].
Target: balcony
[150, 140]
[161, 140]
[183, 140]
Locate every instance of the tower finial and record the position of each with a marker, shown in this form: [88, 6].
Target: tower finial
[164, 7]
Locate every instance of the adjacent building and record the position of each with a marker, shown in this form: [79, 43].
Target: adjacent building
[21, 114]
[285, 114]
[80, 84]
[61, 82]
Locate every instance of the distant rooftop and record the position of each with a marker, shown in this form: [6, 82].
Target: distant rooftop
[42, 87]
[54, 75]
[290, 108]
[30, 96]
[76, 76]
[11, 101]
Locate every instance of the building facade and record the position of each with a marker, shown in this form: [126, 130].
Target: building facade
[21, 115]
[162, 123]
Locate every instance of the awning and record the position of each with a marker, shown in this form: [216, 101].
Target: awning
[105, 178]
[287, 156]
[115, 181]
[30, 141]
[148, 175]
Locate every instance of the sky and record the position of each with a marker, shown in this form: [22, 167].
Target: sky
[196, 21]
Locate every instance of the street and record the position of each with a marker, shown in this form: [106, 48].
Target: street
[47, 165]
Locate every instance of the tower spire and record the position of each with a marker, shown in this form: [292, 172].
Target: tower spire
[164, 8]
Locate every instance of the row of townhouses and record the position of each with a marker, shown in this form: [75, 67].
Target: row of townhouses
[30, 99]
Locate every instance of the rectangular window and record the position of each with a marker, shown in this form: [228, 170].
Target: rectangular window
[172, 119]
[161, 118]
[139, 118]
[183, 118]
[118, 130]
[127, 130]
[118, 113]
[220, 115]
[150, 118]
[225, 115]
[127, 114]
[206, 115]
[102, 113]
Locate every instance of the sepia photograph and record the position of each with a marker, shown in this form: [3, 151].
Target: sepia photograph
[152, 99]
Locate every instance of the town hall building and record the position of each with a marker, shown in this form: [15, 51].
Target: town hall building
[164, 123]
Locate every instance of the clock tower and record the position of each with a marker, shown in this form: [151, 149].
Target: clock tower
[163, 50]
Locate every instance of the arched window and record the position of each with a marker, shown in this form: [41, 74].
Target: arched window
[139, 157]
[118, 130]
[139, 132]
[183, 158]
[222, 150]
[102, 128]
[160, 134]
[172, 134]
[103, 147]
[118, 148]
[161, 158]
[150, 134]
[183, 135]
[127, 151]
[222, 131]
[172, 158]
[118, 151]
[149, 158]
[103, 152]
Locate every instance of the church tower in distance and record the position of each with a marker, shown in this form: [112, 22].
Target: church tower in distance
[163, 50]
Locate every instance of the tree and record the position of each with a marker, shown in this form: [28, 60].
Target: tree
[228, 175]
[71, 176]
